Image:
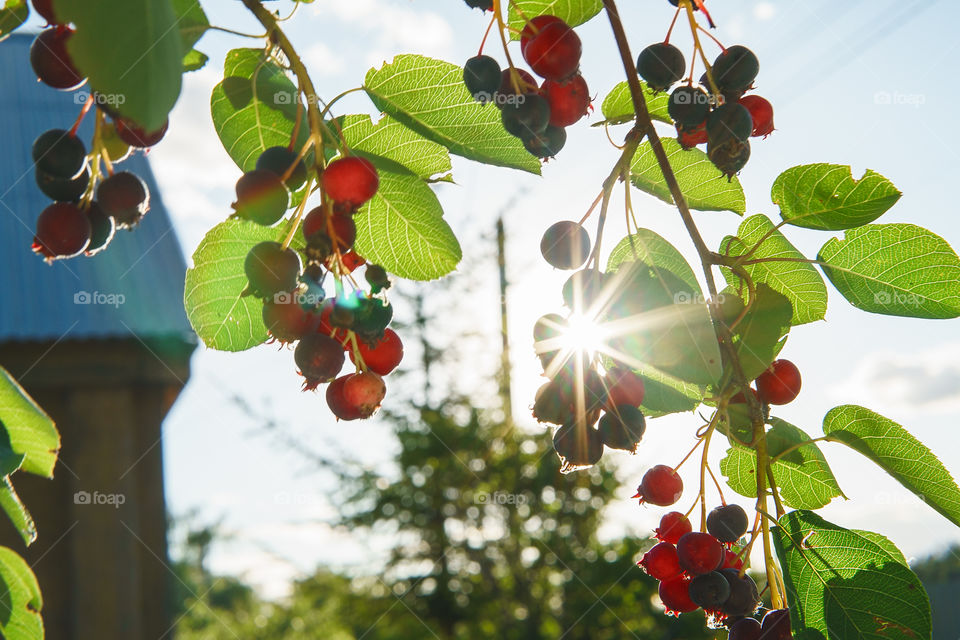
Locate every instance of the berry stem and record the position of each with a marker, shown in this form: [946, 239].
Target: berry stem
[483, 43]
[673, 23]
[296, 123]
[687, 4]
[83, 112]
[515, 78]
[342, 94]
[277, 36]
[711, 36]
[295, 221]
[304, 150]
[773, 490]
[95, 153]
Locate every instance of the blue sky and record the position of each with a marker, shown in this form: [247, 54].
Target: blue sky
[856, 83]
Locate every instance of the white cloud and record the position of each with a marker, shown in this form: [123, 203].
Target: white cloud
[764, 11]
[322, 61]
[927, 381]
[383, 26]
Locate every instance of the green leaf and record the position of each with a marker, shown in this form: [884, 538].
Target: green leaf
[390, 140]
[429, 96]
[703, 185]
[30, 430]
[760, 335]
[573, 12]
[826, 196]
[845, 584]
[192, 22]
[221, 317]
[194, 60]
[254, 107]
[131, 51]
[803, 476]
[14, 508]
[665, 394]
[895, 270]
[617, 107]
[402, 229]
[20, 599]
[13, 14]
[800, 282]
[658, 321]
[648, 247]
[898, 453]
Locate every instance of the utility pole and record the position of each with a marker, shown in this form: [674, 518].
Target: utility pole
[506, 397]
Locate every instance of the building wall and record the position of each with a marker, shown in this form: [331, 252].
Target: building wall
[101, 554]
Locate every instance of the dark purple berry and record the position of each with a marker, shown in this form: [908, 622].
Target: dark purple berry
[727, 523]
[59, 154]
[124, 196]
[271, 269]
[661, 65]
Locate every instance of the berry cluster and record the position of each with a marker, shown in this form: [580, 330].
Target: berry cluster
[716, 112]
[699, 569]
[87, 206]
[296, 307]
[536, 115]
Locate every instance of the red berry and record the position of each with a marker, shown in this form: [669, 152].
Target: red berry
[699, 553]
[364, 392]
[533, 28]
[51, 61]
[341, 226]
[661, 562]
[660, 486]
[138, 137]
[102, 229]
[45, 9]
[383, 356]
[507, 90]
[780, 384]
[675, 595]
[125, 197]
[338, 403]
[569, 101]
[761, 111]
[739, 398]
[349, 261]
[690, 137]
[623, 387]
[727, 523]
[673, 526]
[731, 560]
[565, 245]
[261, 197]
[350, 181]
[554, 53]
[776, 625]
[286, 319]
[319, 359]
[746, 629]
[63, 231]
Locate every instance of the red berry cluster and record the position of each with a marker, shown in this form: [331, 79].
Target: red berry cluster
[296, 308]
[699, 569]
[87, 207]
[716, 113]
[536, 115]
[591, 410]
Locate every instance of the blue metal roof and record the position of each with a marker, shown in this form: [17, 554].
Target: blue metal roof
[46, 302]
